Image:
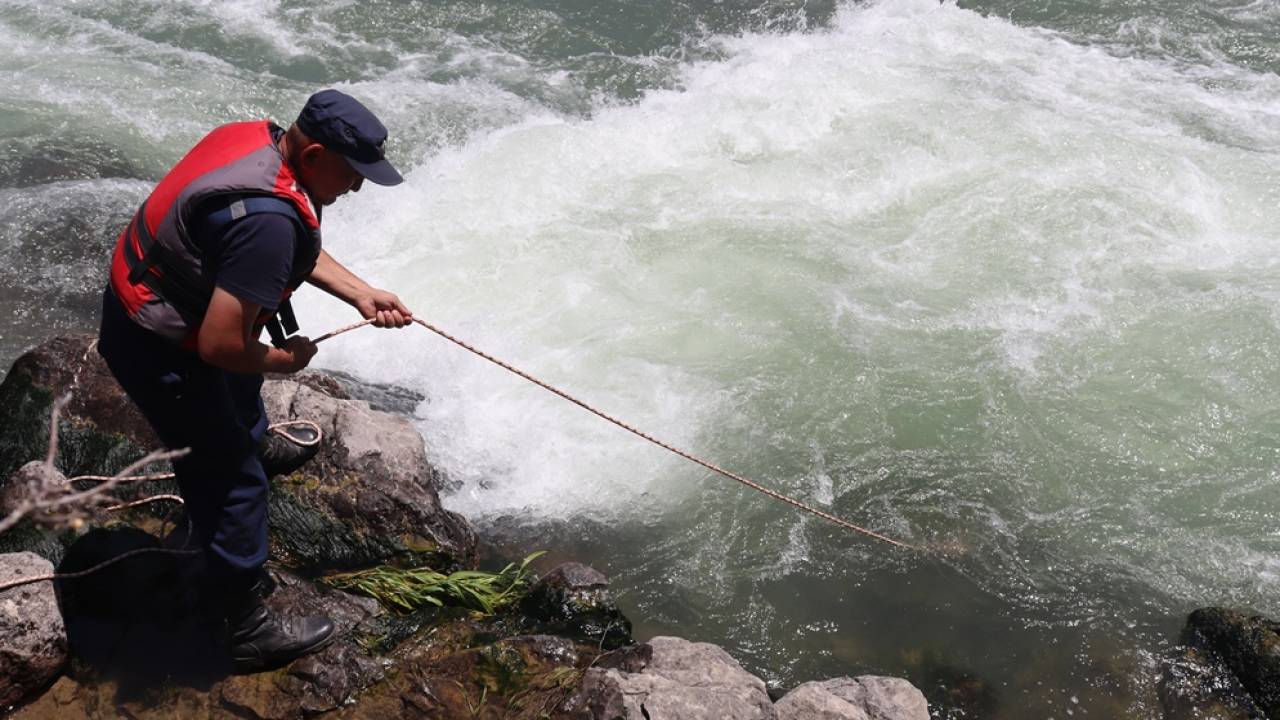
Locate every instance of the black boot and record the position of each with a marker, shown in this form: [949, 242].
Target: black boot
[281, 455]
[261, 640]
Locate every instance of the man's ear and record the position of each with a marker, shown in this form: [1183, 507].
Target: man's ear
[311, 154]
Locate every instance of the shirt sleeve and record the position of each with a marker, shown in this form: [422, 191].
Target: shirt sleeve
[255, 258]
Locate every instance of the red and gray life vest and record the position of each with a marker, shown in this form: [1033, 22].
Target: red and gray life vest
[159, 274]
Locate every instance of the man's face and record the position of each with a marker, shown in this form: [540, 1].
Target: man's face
[326, 175]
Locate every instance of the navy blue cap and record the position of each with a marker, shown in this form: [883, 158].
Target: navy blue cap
[340, 123]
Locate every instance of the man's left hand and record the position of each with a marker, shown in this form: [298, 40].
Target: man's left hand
[384, 309]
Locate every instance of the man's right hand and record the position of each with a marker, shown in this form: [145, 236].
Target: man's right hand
[227, 340]
[301, 349]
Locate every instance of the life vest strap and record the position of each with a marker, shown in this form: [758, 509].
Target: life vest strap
[150, 265]
[239, 206]
[283, 322]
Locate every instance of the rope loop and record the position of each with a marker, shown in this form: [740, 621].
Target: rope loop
[279, 429]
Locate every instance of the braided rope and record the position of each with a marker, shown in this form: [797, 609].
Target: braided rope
[144, 501]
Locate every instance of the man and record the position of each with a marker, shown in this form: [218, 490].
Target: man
[206, 263]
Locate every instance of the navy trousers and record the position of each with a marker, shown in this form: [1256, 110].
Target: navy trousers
[220, 417]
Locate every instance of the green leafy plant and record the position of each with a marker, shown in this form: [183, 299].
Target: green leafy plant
[408, 590]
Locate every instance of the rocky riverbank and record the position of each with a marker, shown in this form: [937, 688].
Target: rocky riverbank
[136, 639]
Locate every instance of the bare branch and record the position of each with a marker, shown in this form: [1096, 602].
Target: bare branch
[53, 427]
[12, 519]
[52, 500]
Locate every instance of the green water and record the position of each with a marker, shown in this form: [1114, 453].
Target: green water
[996, 279]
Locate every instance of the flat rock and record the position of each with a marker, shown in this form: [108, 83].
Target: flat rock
[681, 680]
[868, 697]
[34, 646]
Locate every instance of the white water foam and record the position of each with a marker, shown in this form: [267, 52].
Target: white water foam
[937, 169]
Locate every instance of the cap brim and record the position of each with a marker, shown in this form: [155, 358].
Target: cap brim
[380, 172]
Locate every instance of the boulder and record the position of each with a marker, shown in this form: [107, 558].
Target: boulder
[1246, 645]
[574, 600]
[681, 680]
[34, 646]
[868, 697]
[100, 432]
[1194, 685]
[26, 482]
[369, 496]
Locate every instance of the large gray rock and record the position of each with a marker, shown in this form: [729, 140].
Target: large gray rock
[368, 497]
[868, 697]
[682, 680]
[33, 639]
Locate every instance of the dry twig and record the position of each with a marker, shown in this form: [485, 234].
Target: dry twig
[53, 500]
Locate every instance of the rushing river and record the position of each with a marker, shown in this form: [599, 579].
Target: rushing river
[999, 279]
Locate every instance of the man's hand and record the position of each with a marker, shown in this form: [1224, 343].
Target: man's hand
[300, 350]
[384, 309]
[227, 340]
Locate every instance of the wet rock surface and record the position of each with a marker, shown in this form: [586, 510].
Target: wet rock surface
[574, 600]
[1226, 645]
[33, 639]
[1195, 685]
[368, 497]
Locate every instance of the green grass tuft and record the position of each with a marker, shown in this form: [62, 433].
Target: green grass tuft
[408, 590]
